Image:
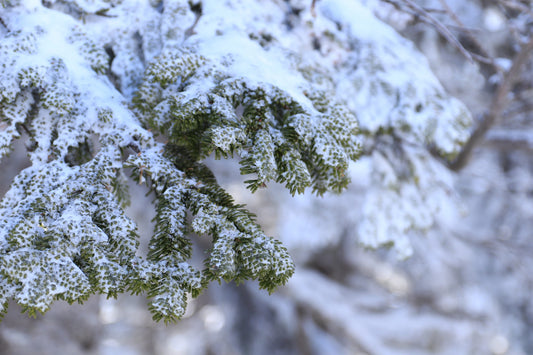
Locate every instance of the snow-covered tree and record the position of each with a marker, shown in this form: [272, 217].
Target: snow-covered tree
[308, 95]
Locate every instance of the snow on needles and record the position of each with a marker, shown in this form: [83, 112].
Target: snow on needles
[297, 97]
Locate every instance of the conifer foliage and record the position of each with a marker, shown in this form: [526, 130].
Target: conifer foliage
[105, 89]
[64, 233]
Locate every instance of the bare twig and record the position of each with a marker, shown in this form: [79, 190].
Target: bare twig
[421, 14]
[484, 56]
[498, 105]
[525, 107]
[509, 140]
[197, 10]
[486, 60]
[313, 10]
[516, 6]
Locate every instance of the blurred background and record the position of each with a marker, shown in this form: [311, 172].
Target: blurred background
[467, 288]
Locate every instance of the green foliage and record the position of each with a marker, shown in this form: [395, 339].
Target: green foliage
[278, 137]
[64, 233]
[96, 86]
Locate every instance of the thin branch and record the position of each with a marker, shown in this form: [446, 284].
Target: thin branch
[486, 60]
[513, 5]
[496, 109]
[509, 140]
[464, 28]
[484, 56]
[197, 10]
[525, 107]
[433, 10]
[421, 14]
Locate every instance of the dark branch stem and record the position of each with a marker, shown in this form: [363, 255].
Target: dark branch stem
[313, 11]
[483, 57]
[524, 108]
[421, 14]
[197, 10]
[516, 6]
[499, 102]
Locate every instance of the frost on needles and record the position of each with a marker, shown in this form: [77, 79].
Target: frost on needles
[64, 233]
[108, 90]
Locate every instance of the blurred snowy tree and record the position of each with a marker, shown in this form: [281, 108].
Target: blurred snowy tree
[467, 287]
[297, 91]
[100, 90]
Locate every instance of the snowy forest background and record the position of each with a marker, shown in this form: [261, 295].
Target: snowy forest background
[466, 287]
